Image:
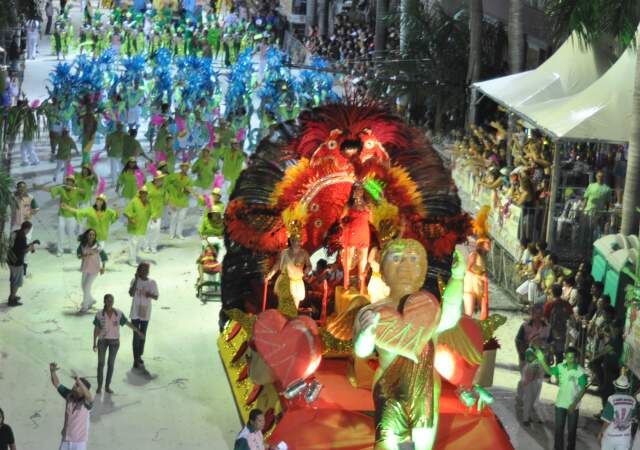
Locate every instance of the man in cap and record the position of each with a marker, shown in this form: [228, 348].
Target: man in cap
[114, 146]
[63, 154]
[138, 214]
[70, 197]
[618, 416]
[179, 186]
[157, 200]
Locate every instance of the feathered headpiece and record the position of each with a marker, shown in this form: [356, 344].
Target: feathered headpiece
[101, 187]
[69, 171]
[480, 226]
[386, 220]
[218, 182]
[294, 218]
[139, 178]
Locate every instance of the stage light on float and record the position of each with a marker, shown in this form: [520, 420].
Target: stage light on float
[294, 389]
[313, 392]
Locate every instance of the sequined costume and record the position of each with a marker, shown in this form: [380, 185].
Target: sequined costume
[355, 228]
[404, 400]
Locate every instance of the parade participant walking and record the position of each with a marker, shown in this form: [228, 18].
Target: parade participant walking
[63, 154]
[23, 207]
[75, 432]
[142, 290]
[179, 186]
[48, 10]
[97, 217]
[132, 147]
[15, 260]
[93, 263]
[86, 182]
[138, 214]
[212, 225]
[127, 185]
[106, 336]
[205, 169]
[114, 147]
[532, 333]
[7, 440]
[157, 195]
[572, 384]
[530, 385]
[618, 416]
[69, 196]
[232, 165]
[33, 36]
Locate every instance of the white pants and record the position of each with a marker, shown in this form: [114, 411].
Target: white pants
[530, 395]
[177, 217]
[615, 442]
[87, 283]
[60, 167]
[226, 188]
[153, 234]
[32, 45]
[533, 292]
[135, 242]
[66, 445]
[28, 152]
[116, 168]
[66, 232]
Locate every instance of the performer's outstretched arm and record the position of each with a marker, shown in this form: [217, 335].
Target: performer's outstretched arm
[365, 333]
[452, 296]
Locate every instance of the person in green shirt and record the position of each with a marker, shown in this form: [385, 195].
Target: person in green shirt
[164, 149]
[69, 196]
[98, 217]
[127, 185]
[205, 169]
[597, 196]
[114, 146]
[132, 147]
[179, 186]
[232, 165]
[63, 152]
[138, 214]
[86, 181]
[158, 198]
[211, 228]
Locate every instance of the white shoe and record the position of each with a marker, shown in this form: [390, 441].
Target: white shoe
[180, 237]
[58, 254]
[153, 250]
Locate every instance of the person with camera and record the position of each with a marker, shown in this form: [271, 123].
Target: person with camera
[142, 291]
[15, 260]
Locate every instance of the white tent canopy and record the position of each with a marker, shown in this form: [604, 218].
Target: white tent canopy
[572, 68]
[601, 112]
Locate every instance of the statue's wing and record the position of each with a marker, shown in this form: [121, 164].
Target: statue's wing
[457, 340]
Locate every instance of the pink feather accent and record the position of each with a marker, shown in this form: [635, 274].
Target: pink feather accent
[95, 159]
[153, 170]
[101, 186]
[139, 178]
[186, 157]
[161, 156]
[218, 181]
[240, 135]
[69, 172]
[157, 120]
[208, 202]
[34, 104]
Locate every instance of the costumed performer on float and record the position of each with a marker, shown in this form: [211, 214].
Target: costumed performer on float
[355, 236]
[476, 281]
[406, 387]
[293, 262]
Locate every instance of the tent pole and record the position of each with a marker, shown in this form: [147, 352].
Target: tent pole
[511, 122]
[473, 101]
[555, 185]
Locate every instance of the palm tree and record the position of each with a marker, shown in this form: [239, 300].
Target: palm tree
[475, 51]
[516, 36]
[380, 39]
[592, 20]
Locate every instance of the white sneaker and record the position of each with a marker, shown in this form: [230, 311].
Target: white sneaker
[153, 250]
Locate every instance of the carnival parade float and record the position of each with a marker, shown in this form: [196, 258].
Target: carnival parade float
[374, 350]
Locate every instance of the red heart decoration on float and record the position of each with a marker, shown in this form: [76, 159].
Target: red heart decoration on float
[291, 348]
[407, 333]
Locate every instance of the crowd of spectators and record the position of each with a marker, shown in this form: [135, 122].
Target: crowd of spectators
[568, 310]
[588, 206]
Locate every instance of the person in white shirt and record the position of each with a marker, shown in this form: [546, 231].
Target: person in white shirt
[33, 36]
[142, 291]
[618, 416]
[106, 335]
[93, 263]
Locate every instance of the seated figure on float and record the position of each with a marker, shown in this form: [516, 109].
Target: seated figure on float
[293, 262]
[403, 330]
